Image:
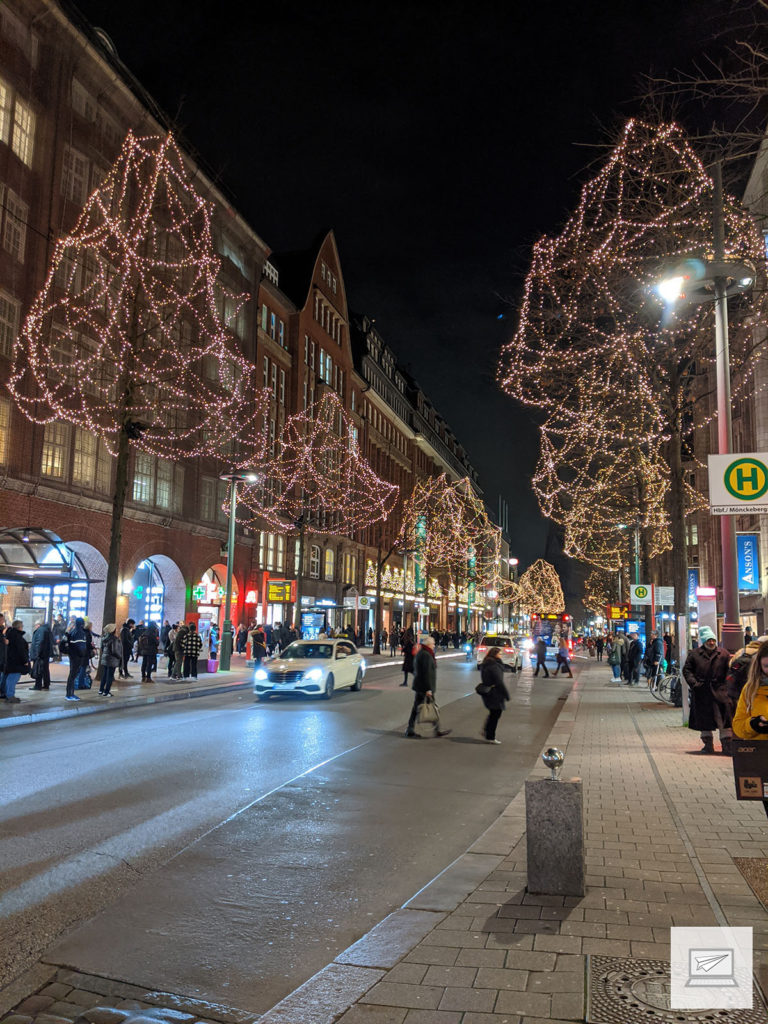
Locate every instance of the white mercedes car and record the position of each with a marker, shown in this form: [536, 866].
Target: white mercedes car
[511, 656]
[312, 667]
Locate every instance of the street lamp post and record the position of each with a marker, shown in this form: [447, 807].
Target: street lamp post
[225, 647]
[697, 281]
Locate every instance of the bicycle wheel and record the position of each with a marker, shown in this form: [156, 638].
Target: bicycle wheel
[664, 689]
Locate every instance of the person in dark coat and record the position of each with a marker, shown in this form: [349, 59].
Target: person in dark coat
[3, 650]
[599, 645]
[149, 645]
[126, 638]
[16, 659]
[492, 674]
[79, 653]
[705, 672]
[259, 645]
[424, 684]
[634, 659]
[178, 651]
[408, 647]
[541, 656]
[40, 654]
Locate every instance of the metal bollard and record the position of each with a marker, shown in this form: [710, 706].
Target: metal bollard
[554, 820]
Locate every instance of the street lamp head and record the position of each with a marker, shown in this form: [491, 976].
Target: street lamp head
[247, 476]
[670, 289]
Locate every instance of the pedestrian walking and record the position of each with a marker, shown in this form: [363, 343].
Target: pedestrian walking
[242, 638]
[408, 654]
[541, 656]
[750, 721]
[424, 684]
[110, 658]
[40, 654]
[493, 692]
[149, 645]
[705, 672]
[599, 645]
[79, 653]
[191, 645]
[563, 658]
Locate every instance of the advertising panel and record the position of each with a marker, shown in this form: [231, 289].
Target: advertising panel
[748, 552]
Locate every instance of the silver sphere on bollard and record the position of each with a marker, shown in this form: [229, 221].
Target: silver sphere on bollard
[553, 759]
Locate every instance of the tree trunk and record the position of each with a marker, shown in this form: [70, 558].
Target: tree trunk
[377, 612]
[116, 530]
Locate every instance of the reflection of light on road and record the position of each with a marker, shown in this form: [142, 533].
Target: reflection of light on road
[395, 662]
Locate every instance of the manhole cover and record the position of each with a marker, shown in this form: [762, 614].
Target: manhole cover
[624, 991]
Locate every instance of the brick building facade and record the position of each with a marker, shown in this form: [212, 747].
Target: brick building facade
[66, 105]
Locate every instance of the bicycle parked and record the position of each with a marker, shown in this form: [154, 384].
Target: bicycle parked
[667, 686]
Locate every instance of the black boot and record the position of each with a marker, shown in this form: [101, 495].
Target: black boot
[726, 744]
[708, 748]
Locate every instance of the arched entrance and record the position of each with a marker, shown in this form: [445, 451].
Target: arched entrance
[82, 596]
[209, 597]
[156, 591]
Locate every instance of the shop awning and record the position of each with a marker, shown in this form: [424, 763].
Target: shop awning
[32, 557]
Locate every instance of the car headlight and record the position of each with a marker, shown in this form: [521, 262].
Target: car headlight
[260, 674]
[362, 664]
[313, 673]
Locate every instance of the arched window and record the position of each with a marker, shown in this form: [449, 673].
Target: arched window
[329, 563]
[314, 562]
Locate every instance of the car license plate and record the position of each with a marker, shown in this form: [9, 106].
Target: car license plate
[282, 686]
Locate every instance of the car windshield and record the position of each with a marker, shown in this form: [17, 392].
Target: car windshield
[496, 641]
[308, 651]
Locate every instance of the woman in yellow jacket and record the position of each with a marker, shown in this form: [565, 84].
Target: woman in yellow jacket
[750, 722]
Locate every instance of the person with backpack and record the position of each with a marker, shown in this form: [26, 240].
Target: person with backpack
[738, 668]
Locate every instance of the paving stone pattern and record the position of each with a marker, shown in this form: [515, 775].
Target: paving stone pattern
[662, 828]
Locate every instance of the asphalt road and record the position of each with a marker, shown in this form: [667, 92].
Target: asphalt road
[227, 850]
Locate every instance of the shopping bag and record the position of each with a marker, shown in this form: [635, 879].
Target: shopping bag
[429, 713]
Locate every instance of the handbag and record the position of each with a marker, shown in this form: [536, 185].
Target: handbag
[429, 713]
[483, 689]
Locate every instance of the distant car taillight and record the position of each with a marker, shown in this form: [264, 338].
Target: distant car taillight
[509, 650]
[482, 648]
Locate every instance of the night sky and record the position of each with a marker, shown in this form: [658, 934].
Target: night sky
[438, 141]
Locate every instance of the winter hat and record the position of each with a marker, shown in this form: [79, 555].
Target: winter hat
[705, 633]
[110, 627]
[428, 641]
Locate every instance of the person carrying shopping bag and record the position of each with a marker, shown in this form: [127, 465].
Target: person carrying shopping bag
[493, 692]
[424, 686]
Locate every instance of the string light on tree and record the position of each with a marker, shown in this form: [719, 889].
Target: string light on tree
[540, 590]
[126, 338]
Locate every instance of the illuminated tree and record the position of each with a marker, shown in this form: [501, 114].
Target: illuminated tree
[596, 350]
[600, 590]
[540, 589]
[317, 478]
[449, 528]
[126, 339]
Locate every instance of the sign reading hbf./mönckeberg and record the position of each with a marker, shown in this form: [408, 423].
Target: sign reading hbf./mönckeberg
[738, 484]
